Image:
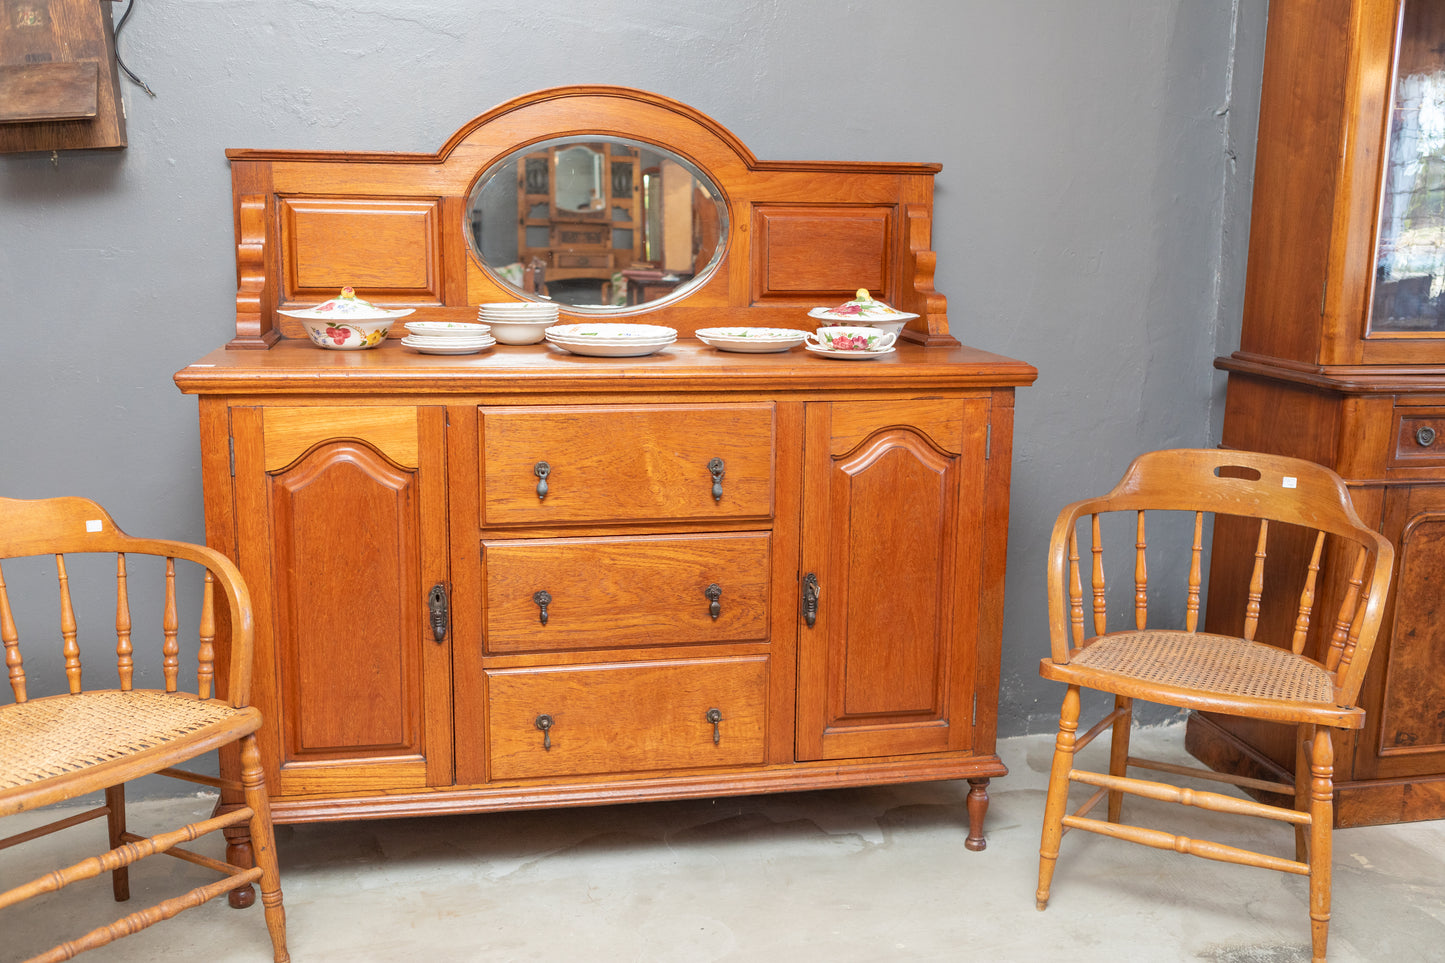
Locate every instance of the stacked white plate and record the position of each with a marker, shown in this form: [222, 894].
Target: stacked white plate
[751, 340]
[447, 337]
[518, 322]
[611, 340]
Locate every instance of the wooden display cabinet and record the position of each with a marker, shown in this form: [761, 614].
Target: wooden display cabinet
[1342, 359]
[736, 573]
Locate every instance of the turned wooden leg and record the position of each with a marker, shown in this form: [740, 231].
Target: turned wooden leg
[1058, 798]
[115, 821]
[263, 845]
[238, 853]
[1322, 799]
[1302, 791]
[1119, 752]
[977, 810]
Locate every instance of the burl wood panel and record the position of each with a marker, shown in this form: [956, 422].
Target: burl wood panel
[821, 254]
[627, 717]
[392, 248]
[1413, 718]
[623, 463]
[625, 592]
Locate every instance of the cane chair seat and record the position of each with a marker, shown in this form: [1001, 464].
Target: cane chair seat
[1214, 671]
[1298, 657]
[67, 735]
[91, 728]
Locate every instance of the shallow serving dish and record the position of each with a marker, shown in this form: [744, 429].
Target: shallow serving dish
[849, 355]
[346, 323]
[447, 329]
[751, 340]
[448, 345]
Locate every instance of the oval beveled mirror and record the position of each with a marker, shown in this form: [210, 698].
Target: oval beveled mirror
[600, 224]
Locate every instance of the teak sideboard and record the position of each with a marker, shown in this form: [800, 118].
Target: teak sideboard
[743, 573]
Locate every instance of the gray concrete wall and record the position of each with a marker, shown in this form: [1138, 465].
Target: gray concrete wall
[1092, 213]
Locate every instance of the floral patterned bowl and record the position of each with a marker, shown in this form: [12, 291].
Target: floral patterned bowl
[347, 323]
[863, 340]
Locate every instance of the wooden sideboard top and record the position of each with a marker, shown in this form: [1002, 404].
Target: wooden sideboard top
[686, 366]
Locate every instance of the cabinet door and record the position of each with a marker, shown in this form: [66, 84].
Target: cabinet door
[894, 498]
[1404, 723]
[341, 519]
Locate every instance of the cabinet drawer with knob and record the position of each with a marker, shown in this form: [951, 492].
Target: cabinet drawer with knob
[556, 594]
[579, 720]
[1419, 437]
[622, 463]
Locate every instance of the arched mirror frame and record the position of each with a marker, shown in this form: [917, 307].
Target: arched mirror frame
[800, 233]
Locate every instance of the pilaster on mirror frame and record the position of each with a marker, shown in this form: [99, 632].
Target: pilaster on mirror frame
[613, 202]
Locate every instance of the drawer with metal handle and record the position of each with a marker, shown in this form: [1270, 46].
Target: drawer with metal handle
[558, 594]
[633, 717]
[571, 464]
[1419, 438]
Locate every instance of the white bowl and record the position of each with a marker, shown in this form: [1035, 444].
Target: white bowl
[347, 334]
[520, 332]
[847, 338]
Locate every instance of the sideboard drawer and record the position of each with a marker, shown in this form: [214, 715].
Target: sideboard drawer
[566, 464]
[1419, 437]
[625, 592]
[575, 720]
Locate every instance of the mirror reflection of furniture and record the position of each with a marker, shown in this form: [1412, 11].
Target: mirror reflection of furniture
[578, 213]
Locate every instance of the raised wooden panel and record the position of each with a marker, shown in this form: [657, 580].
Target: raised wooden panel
[878, 670]
[625, 463]
[625, 592]
[821, 253]
[387, 249]
[393, 431]
[627, 718]
[344, 536]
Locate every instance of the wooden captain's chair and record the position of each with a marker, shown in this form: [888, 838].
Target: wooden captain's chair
[99, 735]
[1308, 677]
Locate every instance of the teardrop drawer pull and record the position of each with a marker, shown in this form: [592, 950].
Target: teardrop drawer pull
[715, 717]
[715, 468]
[543, 599]
[713, 593]
[541, 470]
[544, 722]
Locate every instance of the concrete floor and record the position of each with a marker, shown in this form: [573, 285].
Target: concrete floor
[859, 875]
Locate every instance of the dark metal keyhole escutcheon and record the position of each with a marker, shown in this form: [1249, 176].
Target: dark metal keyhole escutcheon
[715, 467]
[543, 599]
[544, 722]
[541, 470]
[713, 593]
[436, 603]
[811, 591]
[715, 717]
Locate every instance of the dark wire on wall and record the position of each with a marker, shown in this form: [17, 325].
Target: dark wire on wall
[129, 7]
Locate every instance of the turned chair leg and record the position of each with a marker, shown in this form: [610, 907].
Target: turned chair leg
[1058, 798]
[1119, 752]
[263, 846]
[1302, 791]
[1322, 797]
[115, 822]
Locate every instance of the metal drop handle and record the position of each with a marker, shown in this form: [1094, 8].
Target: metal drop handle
[544, 722]
[715, 467]
[543, 599]
[713, 593]
[541, 470]
[715, 716]
[1425, 436]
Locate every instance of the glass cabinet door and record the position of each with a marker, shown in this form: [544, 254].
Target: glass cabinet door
[1409, 278]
